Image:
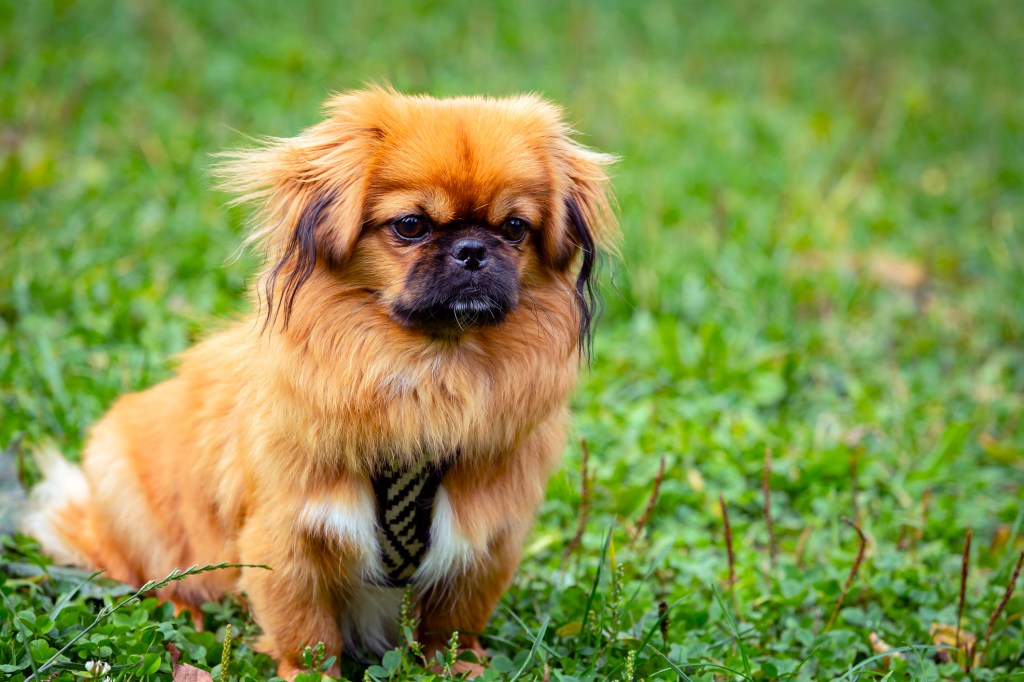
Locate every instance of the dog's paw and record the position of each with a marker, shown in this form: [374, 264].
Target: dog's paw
[470, 668]
[289, 671]
[469, 663]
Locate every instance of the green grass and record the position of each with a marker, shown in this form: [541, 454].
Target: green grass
[823, 207]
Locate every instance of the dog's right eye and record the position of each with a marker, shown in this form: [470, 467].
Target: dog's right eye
[411, 227]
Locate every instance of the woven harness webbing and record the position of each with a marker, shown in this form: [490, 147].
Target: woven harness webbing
[405, 508]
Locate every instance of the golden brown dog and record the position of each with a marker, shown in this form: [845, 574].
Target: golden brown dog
[419, 324]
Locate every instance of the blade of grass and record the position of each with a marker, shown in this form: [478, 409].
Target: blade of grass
[533, 649]
[69, 595]
[911, 648]
[24, 634]
[712, 666]
[731, 638]
[802, 663]
[735, 630]
[593, 589]
[645, 580]
[654, 628]
[675, 668]
[526, 629]
[107, 611]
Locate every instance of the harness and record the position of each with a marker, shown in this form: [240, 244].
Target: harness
[405, 508]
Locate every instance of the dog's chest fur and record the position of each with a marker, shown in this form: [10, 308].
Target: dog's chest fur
[369, 620]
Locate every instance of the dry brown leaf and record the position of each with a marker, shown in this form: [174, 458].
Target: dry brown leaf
[946, 636]
[897, 271]
[189, 673]
[184, 672]
[880, 646]
[1000, 537]
[570, 629]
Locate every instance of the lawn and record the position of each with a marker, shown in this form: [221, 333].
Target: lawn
[823, 259]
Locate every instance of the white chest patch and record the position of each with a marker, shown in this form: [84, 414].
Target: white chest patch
[351, 521]
[369, 621]
[451, 553]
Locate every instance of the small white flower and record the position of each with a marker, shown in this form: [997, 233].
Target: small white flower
[97, 668]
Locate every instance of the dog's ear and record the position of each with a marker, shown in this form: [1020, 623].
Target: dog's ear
[583, 222]
[310, 191]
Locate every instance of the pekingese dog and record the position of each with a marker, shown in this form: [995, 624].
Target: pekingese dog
[389, 414]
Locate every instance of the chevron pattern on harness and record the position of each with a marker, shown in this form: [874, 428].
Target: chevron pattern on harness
[405, 508]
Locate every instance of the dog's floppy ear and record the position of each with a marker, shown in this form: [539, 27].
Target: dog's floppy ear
[310, 191]
[583, 222]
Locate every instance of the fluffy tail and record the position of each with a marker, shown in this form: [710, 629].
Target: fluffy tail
[59, 513]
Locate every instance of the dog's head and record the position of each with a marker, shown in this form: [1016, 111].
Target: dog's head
[447, 212]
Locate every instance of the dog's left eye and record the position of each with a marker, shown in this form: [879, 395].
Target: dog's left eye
[515, 229]
[411, 227]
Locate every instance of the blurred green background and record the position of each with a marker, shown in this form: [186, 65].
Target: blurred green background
[823, 254]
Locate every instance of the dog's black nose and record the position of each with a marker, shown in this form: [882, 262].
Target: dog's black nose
[470, 253]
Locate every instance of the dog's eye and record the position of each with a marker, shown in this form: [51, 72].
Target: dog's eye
[515, 229]
[411, 227]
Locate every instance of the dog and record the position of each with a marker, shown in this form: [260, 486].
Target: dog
[388, 415]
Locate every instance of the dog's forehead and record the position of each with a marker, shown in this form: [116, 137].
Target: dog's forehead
[464, 159]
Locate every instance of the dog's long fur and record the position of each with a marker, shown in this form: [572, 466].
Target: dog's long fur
[260, 449]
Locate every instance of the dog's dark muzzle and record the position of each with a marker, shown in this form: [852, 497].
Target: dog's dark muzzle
[466, 279]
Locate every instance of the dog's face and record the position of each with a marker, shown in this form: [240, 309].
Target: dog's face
[448, 213]
[454, 206]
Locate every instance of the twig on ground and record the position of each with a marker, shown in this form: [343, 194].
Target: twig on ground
[1002, 604]
[766, 492]
[853, 571]
[728, 541]
[584, 513]
[638, 528]
[964, 569]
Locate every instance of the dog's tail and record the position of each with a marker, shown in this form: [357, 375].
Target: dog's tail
[59, 511]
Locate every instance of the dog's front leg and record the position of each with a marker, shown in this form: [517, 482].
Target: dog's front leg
[295, 603]
[464, 601]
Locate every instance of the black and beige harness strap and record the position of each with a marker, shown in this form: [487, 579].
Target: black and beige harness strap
[405, 508]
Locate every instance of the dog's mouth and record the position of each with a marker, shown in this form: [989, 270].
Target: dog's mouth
[456, 312]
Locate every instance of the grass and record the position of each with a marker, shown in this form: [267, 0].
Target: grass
[823, 206]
